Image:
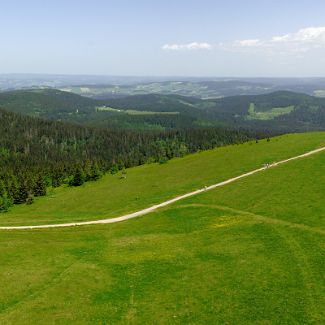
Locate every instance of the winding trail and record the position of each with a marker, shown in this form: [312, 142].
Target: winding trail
[163, 204]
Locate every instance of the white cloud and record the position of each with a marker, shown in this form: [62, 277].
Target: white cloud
[189, 46]
[282, 38]
[306, 36]
[248, 42]
[311, 34]
[302, 41]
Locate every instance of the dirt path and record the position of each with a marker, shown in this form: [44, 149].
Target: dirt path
[163, 204]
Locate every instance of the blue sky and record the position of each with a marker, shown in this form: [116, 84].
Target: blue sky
[155, 38]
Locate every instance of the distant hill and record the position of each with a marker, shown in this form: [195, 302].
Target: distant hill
[140, 112]
[279, 111]
[45, 102]
[204, 89]
[157, 103]
[200, 89]
[282, 109]
[106, 87]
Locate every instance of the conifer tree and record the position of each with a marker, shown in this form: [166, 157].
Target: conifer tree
[95, 172]
[39, 187]
[78, 178]
[5, 201]
[23, 193]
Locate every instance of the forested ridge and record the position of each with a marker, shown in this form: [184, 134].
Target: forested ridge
[306, 113]
[49, 137]
[36, 153]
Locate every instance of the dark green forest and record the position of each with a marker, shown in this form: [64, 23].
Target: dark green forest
[308, 112]
[37, 153]
[49, 137]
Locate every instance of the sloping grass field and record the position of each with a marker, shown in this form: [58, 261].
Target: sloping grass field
[251, 252]
[151, 184]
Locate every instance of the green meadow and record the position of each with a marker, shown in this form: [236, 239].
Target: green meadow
[268, 115]
[251, 252]
[132, 111]
[150, 184]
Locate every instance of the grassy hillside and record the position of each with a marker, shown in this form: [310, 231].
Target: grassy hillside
[149, 184]
[248, 253]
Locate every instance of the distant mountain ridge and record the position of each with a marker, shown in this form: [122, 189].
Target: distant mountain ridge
[203, 89]
[281, 110]
[104, 87]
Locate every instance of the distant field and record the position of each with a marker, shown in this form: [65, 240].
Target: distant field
[150, 184]
[183, 88]
[319, 93]
[201, 89]
[251, 252]
[268, 115]
[132, 111]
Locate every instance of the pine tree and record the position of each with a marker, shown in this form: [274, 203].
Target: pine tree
[114, 169]
[13, 188]
[5, 201]
[78, 178]
[23, 193]
[95, 172]
[87, 170]
[40, 187]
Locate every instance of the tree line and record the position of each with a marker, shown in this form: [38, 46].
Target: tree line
[36, 154]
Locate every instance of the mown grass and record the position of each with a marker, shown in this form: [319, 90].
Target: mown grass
[132, 111]
[293, 192]
[319, 93]
[248, 253]
[150, 184]
[268, 115]
[187, 264]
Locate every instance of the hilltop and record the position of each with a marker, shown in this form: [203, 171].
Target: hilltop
[281, 111]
